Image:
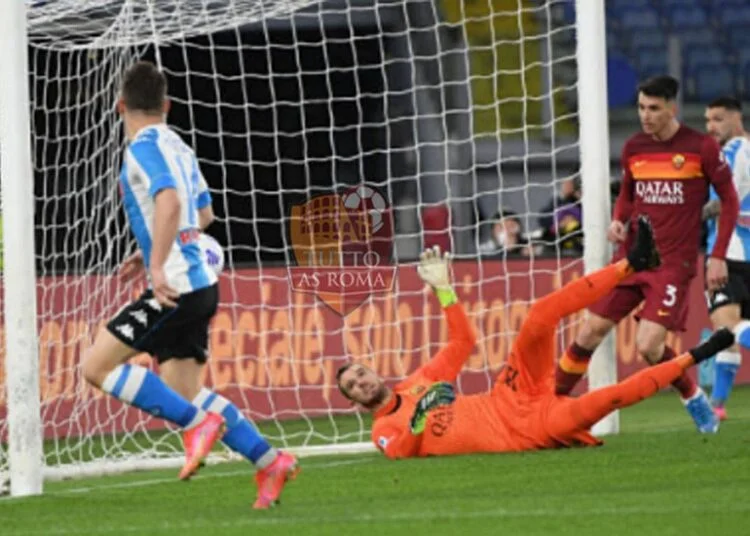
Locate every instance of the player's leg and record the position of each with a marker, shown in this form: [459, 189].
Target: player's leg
[147, 326]
[583, 412]
[184, 376]
[666, 309]
[274, 467]
[727, 362]
[603, 316]
[105, 367]
[532, 358]
[726, 307]
[606, 311]
[182, 358]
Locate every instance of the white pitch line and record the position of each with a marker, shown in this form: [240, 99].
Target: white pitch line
[205, 476]
[259, 519]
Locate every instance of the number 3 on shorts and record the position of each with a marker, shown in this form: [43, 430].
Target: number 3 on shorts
[671, 298]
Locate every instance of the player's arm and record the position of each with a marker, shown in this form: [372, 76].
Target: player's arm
[203, 201]
[165, 226]
[720, 175]
[166, 219]
[435, 271]
[624, 204]
[205, 217]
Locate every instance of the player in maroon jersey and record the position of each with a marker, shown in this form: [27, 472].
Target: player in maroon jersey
[667, 170]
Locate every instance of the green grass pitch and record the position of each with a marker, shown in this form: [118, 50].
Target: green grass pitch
[659, 477]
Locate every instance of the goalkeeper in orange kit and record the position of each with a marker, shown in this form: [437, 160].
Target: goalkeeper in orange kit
[423, 416]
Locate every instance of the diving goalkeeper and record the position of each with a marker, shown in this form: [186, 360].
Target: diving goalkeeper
[422, 415]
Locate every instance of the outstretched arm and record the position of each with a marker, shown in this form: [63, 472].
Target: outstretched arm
[435, 271]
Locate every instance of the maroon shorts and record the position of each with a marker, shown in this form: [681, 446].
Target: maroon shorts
[664, 291]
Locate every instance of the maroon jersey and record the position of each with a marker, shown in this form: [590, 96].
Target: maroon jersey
[669, 181]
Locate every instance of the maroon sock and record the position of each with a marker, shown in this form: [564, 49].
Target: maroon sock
[571, 367]
[684, 384]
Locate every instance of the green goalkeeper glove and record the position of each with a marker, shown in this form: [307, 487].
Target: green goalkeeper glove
[439, 394]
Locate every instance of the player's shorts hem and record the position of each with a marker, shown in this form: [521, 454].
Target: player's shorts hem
[664, 322]
[168, 333]
[735, 292]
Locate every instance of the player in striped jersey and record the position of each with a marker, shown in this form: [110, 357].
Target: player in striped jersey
[167, 203]
[729, 304]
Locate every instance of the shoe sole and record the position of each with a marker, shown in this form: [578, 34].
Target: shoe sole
[191, 467]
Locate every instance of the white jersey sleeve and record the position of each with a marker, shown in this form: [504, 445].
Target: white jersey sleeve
[157, 159]
[736, 152]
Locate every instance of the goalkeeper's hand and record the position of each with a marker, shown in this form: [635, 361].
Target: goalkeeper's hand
[439, 394]
[434, 268]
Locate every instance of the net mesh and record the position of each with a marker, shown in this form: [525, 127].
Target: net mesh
[415, 123]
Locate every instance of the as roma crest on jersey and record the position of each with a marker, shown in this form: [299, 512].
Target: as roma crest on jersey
[678, 161]
[418, 390]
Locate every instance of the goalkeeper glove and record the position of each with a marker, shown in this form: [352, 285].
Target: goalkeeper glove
[439, 394]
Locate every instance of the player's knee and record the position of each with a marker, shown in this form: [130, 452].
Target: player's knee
[651, 349]
[726, 317]
[592, 333]
[92, 370]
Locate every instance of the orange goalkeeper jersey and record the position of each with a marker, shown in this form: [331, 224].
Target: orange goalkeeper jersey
[501, 421]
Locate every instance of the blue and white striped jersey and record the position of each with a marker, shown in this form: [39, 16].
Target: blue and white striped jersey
[156, 159]
[737, 154]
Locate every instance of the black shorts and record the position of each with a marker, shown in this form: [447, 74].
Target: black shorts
[736, 291]
[166, 333]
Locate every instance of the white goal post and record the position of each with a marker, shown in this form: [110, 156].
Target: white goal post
[591, 54]
[426, 112]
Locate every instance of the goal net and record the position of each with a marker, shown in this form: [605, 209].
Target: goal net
[338, 139]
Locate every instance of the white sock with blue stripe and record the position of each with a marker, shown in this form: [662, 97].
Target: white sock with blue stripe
[143, 389]
[726, 366]
[241, 435]
[742, 333]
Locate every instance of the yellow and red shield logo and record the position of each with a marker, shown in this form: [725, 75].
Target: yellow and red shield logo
[678, 161]
[342, 244]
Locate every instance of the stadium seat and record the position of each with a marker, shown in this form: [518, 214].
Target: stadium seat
[743, 58]
[714, 82]
[669, 5]
[703, 57]
[634, 20]
[731, 17]
[686, 17]
[718, 6]
[651, 61]
[621, 81]
[737, 38]
[697, 37]
[649, 40]
[616, 7]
